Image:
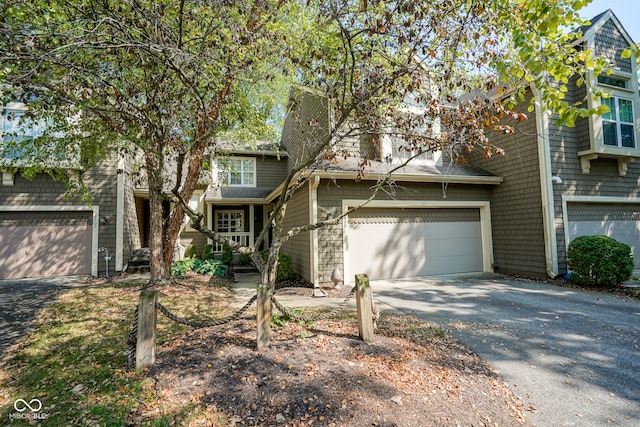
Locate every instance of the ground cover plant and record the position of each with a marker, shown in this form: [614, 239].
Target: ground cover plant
[319, 373]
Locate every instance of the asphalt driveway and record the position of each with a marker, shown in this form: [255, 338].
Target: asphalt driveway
[20, 301]
[571, 356]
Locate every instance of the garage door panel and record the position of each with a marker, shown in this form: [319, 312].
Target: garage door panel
[382, 245]
[34, 244]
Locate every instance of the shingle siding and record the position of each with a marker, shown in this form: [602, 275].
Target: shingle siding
[270, 171]
[298, 247]
[609, 42]
[516, 204]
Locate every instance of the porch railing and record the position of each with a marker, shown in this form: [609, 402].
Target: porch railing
[240, 238]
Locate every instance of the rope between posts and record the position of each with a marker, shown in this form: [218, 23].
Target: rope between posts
[301, 317]
[132, 339]
[164, 310]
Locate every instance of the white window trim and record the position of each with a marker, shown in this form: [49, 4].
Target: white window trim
[241, 173]
[618, 122]
[597, 149]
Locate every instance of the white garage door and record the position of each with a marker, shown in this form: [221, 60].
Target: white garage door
[43, 244]
[393, 243]
[619, 221]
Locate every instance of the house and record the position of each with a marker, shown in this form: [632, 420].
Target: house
[561, 182]
[514, 214]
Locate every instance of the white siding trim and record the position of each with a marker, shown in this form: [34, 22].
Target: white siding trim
[546, 187]
[119, 216]
[485, 223]
[313, 218]
[50, 208]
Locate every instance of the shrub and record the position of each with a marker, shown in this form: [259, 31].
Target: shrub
[285, 267]
[244, 259]
[207, 253]
[191, 252]
[227, 255]
[211, 267]
[181, 267]
[599, 261]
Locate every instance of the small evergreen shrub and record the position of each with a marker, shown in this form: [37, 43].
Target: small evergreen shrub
[207, 252]
[191, 252]
[227, 255]
[285, 267]
[599, 261]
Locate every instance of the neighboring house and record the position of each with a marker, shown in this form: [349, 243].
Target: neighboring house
[560, 182]
[43, 232]
[513, 214]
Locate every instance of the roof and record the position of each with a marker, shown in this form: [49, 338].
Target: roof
[598, 21]
[227, 193]
[451, 172]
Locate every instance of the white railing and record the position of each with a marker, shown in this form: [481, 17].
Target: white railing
[241, 238]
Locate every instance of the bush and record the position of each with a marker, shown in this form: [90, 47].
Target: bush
[191, 252]
[210, 267]
[244, 259]
[285, 267]
[181, 267]
[227, 255]
[599, 261]
[207, 253]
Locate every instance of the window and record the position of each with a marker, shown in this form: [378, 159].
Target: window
[242, 172]
[618, 82]
[617, 125]
[229, 221]
[17, 128]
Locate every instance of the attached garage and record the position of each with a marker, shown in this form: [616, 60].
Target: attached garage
[43, 243]
[396, 242]
[620, 221]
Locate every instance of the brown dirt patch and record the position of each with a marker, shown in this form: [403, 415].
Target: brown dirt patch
[322, 374]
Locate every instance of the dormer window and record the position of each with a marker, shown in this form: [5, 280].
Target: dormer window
[613, 81]
[618, 129]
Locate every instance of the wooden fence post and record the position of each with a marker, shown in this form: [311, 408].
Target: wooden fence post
[146, 340]
[364, 302]
[263, 316]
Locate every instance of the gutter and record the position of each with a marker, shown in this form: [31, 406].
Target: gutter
[546, 187]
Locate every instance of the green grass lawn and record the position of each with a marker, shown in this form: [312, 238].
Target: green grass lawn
[75, 361]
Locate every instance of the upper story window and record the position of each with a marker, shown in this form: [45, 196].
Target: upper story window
[614, 81]
[18, 146]
[17, 128]
[618, 128]
[241, 172]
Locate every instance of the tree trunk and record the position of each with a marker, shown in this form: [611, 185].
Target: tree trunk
[156, 220]
[265, 290]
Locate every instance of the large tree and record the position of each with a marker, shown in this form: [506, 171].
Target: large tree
[168, 77]
[160, 80]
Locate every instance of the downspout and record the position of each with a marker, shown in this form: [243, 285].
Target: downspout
[546, 187]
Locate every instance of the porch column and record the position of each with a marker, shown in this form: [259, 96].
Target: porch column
[251, 225]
